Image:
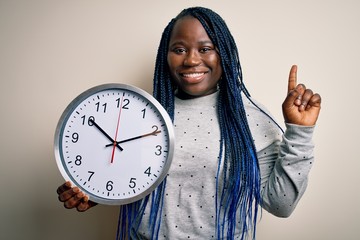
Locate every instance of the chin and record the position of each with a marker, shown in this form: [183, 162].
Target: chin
[194, 93]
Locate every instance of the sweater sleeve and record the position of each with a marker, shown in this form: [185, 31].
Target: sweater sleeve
[285, 159]
[284, 166]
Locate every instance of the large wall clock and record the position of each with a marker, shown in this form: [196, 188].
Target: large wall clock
[115, 142]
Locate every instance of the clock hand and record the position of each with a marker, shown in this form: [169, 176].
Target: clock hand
[106, 135]
[117, 129]
[134, 138]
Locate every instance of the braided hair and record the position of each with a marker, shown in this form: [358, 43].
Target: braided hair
[238, 186]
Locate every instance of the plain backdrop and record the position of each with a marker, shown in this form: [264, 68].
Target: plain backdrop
[51, 51]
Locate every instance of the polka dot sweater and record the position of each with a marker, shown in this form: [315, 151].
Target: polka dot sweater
[189, 201]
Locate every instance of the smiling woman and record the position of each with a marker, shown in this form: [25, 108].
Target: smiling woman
[193, 60]
[230, 158]
[53, 50]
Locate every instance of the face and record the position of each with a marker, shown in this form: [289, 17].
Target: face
[193, 60]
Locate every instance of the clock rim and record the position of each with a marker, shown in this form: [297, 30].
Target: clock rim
[70, 109]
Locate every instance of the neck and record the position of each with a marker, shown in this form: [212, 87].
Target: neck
[184, 96]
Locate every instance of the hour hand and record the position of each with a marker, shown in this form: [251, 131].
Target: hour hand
[106, 135]
[153, 133]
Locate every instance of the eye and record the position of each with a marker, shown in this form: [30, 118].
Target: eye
[179, 50]
[205, 49]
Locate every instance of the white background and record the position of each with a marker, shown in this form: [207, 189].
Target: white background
[50, 51]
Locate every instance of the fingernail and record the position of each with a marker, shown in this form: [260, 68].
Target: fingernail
[76, 190]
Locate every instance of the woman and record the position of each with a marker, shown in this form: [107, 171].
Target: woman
[230, 156]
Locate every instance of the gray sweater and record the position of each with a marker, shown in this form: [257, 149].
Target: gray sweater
[189, 202]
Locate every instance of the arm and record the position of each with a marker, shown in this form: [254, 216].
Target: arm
[285, 161]
[285, 167]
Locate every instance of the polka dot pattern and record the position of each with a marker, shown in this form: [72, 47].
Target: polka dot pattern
[189, 201]
[195, 163]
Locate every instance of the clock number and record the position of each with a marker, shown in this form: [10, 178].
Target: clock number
[78, 160]
[159, 150]
[132, 183]
[109, 186]
[91, 174]
[143, 111]
[90, 120]
[75, 137]
[125, 103]
[98, 106]
[148, 171]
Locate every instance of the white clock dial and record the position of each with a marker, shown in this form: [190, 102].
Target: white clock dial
[115, 142]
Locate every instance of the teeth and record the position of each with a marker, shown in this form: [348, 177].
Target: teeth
[192, 74]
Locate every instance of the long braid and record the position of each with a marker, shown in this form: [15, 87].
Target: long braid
[163, 86]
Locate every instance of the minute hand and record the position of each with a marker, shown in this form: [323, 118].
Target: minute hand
[134, 138]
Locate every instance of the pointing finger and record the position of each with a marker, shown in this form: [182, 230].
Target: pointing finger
[292, 78]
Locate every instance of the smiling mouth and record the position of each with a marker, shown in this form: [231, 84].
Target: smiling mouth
[193, 78]
[192, 75]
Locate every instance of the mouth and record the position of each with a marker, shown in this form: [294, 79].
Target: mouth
[194, 77]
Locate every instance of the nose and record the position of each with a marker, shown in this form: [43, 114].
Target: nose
[192, 58]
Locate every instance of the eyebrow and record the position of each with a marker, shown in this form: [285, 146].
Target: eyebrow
[199, 42]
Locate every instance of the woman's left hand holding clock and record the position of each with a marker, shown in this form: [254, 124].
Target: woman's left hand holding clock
[73, 197]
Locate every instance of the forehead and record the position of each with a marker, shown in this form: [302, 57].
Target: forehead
[190, 29]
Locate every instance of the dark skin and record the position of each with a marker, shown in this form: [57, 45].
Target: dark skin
[72, 197]
[193, 60]
[301, 106]
[195, 66]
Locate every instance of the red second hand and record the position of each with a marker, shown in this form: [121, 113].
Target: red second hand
[116, 133]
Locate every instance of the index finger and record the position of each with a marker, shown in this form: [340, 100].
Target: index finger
[292, 78]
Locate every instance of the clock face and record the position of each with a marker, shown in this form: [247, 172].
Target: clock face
[115, 142]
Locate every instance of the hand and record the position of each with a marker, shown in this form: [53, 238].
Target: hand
[301, 106]
[72, 197]
[106, 135]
